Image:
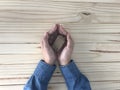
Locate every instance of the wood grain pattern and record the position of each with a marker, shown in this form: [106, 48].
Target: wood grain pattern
[93, 24]
[95, 1]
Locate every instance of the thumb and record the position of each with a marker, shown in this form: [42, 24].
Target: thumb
[69, 40]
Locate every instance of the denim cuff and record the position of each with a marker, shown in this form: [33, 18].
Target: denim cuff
[44, 71]
[70, 71]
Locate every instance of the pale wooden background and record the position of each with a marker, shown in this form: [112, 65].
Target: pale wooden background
[93, 24]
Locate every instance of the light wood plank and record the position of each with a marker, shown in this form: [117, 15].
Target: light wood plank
[59, 12]
[18, 27]
[78, 57]
[79, 48]
[96, 72]
[95, 1]
[93, 67]
[77, 37]
[96, 86]
[93, 77]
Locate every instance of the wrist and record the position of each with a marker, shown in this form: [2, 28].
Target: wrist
[63, 63]
[50, 62]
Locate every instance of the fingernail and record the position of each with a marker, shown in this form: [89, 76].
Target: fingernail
[57, 25]
[60, 24]
[54, 25]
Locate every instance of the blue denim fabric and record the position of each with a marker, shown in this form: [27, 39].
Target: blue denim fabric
[74, 79]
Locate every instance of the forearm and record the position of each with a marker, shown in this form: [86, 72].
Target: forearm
[75, 80]
[41, 76]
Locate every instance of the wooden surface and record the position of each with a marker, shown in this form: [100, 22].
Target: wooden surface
[93, 24]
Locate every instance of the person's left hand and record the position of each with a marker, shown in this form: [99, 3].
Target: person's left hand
[49, 55]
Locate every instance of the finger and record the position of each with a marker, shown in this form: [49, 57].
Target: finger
[53, 29]
[62, 30]
[53, 35]
[45, 39]
[69, 40]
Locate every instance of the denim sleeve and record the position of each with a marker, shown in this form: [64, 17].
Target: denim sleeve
[74, 79]
[41, 76]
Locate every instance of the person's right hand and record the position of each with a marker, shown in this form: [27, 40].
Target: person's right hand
[64, 56]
